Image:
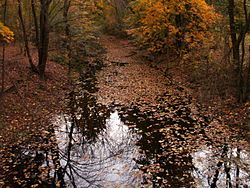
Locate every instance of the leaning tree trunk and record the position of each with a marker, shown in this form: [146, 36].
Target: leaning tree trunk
[43, 37]
[25, 37]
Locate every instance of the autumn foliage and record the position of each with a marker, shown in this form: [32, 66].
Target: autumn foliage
[6, 35]
[160, 24]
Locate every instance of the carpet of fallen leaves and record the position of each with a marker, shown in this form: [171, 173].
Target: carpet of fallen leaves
[168, 111]
[31, 101]
[126, 80]
[26, 108]
[130, 80]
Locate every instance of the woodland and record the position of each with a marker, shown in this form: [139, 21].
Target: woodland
[125, 93]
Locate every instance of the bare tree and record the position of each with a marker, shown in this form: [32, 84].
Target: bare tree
[25, 37]
[3, 51]
[33, 7]
[43, 37]
[66, 7]
[236, 42]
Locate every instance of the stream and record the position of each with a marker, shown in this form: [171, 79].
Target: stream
[94, 145]
[119, 146]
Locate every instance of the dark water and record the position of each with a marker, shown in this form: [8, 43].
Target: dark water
[92, 145]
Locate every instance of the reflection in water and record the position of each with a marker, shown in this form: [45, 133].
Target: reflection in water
[173, 154]
[96, 149]
[165, 145]
[231, 170]
[92, 146]
[21, 167]
[106, 162]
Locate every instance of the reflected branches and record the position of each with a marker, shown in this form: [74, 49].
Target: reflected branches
[95, 147]
[92, 145]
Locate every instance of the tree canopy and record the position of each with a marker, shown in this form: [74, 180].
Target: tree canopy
[6, 35]
[158, 24]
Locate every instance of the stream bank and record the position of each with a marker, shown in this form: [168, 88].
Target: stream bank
[126, 125]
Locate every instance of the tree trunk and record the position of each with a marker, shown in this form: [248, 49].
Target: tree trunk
[236, 50]
[236, 41]
[243, 35]
[67, 33]
[25, 38]
[33, 7]
[3, 51]
[3, 69]
[246, 84]
[44, 37]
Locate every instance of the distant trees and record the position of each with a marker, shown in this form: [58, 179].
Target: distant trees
[238, 35]
[159, 25]
[73, 21]
[156, 25]
[66, 6]
[111, 14]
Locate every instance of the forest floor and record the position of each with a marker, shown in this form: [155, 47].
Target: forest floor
[28, 103]
[168, 113]
[130, 78]
[127, 80]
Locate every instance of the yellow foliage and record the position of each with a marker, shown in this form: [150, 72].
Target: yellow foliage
[109, 13]
[6, 35]
[158, 24]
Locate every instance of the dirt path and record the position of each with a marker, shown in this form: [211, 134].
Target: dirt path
[127, 79]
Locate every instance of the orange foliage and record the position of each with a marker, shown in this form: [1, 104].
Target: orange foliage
[6, 35]
[158, 24]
